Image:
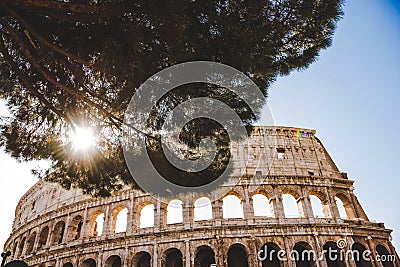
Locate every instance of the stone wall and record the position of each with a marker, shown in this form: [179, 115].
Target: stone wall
[55, 227]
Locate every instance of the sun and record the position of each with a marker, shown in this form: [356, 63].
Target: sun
[82, 138]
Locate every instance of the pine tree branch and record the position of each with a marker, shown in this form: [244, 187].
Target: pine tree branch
[113, 119]
[55, 48]
[68, 6]
[42, 40]
[28, 84]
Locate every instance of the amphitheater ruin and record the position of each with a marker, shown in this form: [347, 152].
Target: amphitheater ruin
[281, 165]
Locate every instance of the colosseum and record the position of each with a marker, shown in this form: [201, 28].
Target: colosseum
[281, 166]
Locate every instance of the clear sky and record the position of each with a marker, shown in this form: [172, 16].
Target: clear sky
[350, 96]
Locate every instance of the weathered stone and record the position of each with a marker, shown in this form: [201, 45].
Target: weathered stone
[55, 227]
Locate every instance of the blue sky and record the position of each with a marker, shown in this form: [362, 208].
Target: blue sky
[350, 96]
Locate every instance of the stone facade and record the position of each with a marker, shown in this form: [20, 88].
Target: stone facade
[59, 228]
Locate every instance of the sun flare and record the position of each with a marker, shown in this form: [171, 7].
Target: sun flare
[82, 138]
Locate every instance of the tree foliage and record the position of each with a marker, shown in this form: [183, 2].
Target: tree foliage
[68, 64]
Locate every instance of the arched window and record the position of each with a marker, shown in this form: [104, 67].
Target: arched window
[121, 221]
[232, 207]
[68, 264]
[142, 259]
[44, 234]
[147, 216]
[333, 255]
[21, 247]
[89, 263]
[358, 253]
[261, 206]
[113, 261]
[237, 256]
[15, 249]
[202, 209]
[58, 233]
[290, 206]
[269, 255]
[316, 205]
[174, 212]
[205, 256]
[385, 258]
[30, 243]
[98, 225]
[304, 255]
[341, 208]
[76, 227]
[173, 258]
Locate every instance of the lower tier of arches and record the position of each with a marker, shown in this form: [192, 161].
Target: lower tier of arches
[227, 247]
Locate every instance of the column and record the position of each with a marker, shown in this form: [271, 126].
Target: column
[219, 254]
[66, 230]
[306, 205]
[277, 205]
[50, 235]
[319, 252]
[187, 209]
[107, 221]
[217, 212]
[248, 210]
[334, 211]
[288, 249]
[187, 254]
[155, 255]
[85, 226]
[253, 260]
[131, 223]
[371, 248]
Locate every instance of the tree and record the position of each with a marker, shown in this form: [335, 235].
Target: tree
[69, 64]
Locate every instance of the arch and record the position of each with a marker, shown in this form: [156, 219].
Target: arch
[30, 243]
[333, 255]
[98, 225]
[89, 263]
[21, 247]
[15, 249]
[345, 207]
[205, 256]
[113, 261]
[174, 212]
[146, 216]
[17, 263]
[290, 206]
[142, 259]
[43, 236]
[261, 205]
[202, 209]
[317, 207]
[304, 255]
[341, 208]
[76, 227]
[360, 253]
[58, 233]
[119, 221]
[173, 258]
[269, 255]
[237, 256]
[68, 264]
[232, 207]
[385, 258]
